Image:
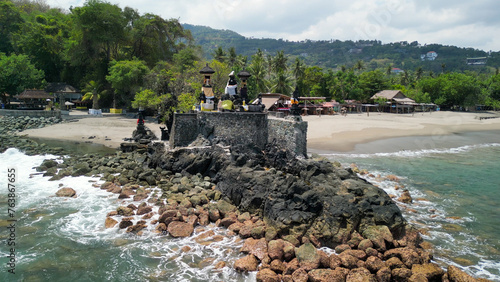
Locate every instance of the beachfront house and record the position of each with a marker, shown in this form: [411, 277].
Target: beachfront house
[64, 94]
[34, 99]
[393, 101]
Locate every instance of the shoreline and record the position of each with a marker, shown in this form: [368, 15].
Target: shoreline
[354, 134]
[386, 133]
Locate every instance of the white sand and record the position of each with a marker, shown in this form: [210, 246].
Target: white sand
[108, 130]
[342, 133]
[325, 133]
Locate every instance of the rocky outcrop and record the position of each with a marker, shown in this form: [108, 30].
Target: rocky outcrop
[298, 197]
[9, 124]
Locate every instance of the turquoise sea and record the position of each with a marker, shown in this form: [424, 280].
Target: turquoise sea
[455, 184]
[455, 191]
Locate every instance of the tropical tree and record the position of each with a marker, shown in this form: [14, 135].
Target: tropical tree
[282, 83]
[155, 39]
[18, 73]
[98, 31]
[279, 63]
[93, 91]
[258, 70]
[44, 39]
[147, 99]
[219, 54]
[126, 78]
[10, 23]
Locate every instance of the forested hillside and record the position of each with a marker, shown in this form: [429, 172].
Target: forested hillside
[335, 53]
[120, 58]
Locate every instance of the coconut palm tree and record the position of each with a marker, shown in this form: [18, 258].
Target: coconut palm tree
[92, 92]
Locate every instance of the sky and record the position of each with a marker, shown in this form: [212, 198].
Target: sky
[463, 23]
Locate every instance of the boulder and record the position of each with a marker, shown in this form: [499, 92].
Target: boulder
[361, 275]
[300, 275]
[258, 248]
[144, 210]
[431, 271]
[246, 264]
[267, 275]
[180, 229]
[110, 222]
[125, 211]
[401, 274]
[457, 275]
[405, 197]
[374, 264]
[275, 249]
[66, 192]
[308, 256]
[324, 275]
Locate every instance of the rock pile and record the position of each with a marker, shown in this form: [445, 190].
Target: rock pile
[17, 124]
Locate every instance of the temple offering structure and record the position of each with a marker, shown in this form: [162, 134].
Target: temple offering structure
[207, 96]
[233, 99]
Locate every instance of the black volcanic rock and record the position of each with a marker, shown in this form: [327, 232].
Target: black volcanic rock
[300, 197]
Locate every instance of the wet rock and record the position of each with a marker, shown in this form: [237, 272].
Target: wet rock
[110, 222]
[405, 197]
[431, 271]
[246, 264]
[125, 223]
[267, 275]
[180, 229]
[258, 248]
[457, 275]
[66, 192]
[275, 249]
[308, 256]
[407, 255]
[125, 211]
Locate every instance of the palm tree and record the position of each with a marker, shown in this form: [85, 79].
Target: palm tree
[92, 91]
[219, 55]
[298, 69]
[279, 62]
[359, 65]
[419, 73]
[282, 83]
[388, 70]
[258, 70]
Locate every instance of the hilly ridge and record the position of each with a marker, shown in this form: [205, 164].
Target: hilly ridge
[335, 53]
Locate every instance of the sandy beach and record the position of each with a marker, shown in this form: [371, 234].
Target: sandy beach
[345, 133]
[325, 133]
[108, 130]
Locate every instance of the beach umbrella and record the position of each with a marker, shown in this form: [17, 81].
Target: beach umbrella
[68, 103]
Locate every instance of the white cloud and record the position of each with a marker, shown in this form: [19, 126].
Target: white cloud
[450, 22]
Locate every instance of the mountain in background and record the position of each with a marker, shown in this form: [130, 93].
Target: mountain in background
[335, 53]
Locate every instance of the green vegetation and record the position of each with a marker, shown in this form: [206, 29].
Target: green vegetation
[122, 59]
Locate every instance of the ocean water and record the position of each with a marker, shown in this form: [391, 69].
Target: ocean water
[64, 239]
[456, 194]
[456, 198]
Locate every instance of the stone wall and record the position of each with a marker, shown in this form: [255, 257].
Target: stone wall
[289, 134]
[235, 128]
[184, 130]
[30, 113]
